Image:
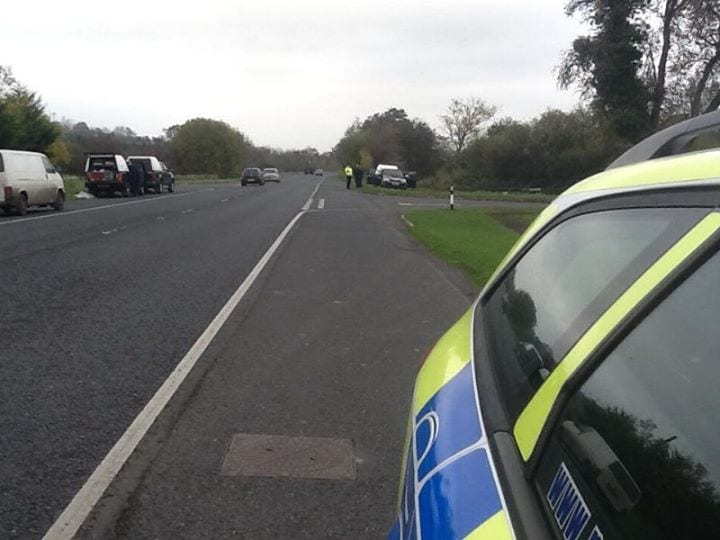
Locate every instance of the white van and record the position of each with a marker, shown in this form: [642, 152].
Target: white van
[29, 179]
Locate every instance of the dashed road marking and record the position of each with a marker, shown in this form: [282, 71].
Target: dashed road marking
[187, 211]
[224, 200]
[406, 220]
[321, 204]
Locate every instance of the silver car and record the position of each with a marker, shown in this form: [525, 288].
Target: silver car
[271, 175]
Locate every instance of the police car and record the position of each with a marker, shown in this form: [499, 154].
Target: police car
[578, 397]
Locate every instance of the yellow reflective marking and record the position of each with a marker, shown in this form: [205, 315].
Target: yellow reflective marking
[543, 217]
[531, 421]
[685, 168]
[448, 357]
[495, 528]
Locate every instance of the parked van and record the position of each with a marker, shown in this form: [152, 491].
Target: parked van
[29, 179]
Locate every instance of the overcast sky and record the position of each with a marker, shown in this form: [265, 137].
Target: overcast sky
[286, 73]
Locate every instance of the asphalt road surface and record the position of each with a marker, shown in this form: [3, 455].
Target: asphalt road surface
[101, 302]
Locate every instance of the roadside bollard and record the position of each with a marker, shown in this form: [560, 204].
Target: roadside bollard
[452, 198]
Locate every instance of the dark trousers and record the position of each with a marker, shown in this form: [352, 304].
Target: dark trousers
[358, 181]
[349, 179]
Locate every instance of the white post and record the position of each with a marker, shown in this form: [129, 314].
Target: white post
[452, 198]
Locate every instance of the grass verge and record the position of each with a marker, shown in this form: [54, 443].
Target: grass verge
[472, 239]
[73, 186]
[516, 196]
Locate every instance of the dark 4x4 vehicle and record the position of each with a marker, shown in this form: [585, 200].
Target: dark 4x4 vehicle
[157, 175]
[251, 175]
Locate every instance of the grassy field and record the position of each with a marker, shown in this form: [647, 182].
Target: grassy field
[474, 240]
[517, 196]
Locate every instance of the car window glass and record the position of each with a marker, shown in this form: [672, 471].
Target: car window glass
[564, 283]
[49, 167]
[640, 438]
[2, 164]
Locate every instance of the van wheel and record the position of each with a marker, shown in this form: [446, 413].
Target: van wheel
[21, 206]
[59, 202]
[171, 187]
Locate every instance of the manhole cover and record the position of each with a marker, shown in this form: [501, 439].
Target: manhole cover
[296, 457]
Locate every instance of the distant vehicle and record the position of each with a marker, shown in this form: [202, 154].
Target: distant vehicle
[411, 177]
[271, 175]
[393, 178]
[251, 175]
[319, 172]
[29, 179]
[309, 170]
[374, 176]
[155, 176]
[106, 173]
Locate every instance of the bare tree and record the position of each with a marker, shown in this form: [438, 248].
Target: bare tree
[465, 119]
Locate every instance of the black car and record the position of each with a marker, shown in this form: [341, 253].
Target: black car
[251, 175]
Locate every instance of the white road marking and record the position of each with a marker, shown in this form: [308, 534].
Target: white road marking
[160, 218]
[321, 204]
[224, 200]
[75, 514]
[94, 209]
[307, 205]
[187, 211]
[406, 204]
[109, 232]
[406, 220]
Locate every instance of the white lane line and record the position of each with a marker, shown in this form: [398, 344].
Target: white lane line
[94, 209]
[406, 204]
[321, 204]
[406, 220]
[160, 218]
[224, 200]
[307, 205]
[75, 514]
[187, 211]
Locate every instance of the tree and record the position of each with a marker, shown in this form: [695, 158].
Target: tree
[606, 63]
[24, 125]
[464, 120]
[390, 137]
[205, 146]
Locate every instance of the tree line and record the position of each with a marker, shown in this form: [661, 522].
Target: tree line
[199, 146]
[643, 65]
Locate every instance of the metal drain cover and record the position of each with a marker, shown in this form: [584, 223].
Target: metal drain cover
[294, 457]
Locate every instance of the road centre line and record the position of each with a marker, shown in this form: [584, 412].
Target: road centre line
[321, 204]
[85, 500]
[95, 208]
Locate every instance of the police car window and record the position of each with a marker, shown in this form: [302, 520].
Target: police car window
[635, 453]
[564, 283]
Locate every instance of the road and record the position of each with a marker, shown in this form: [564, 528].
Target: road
[102, 301]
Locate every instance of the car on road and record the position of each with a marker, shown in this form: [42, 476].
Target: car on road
[270, 174]
[157, 177]
[29, 179]
[106, 173]
[576, 399]
[319, 172]
[252, 175]
[393, 178]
